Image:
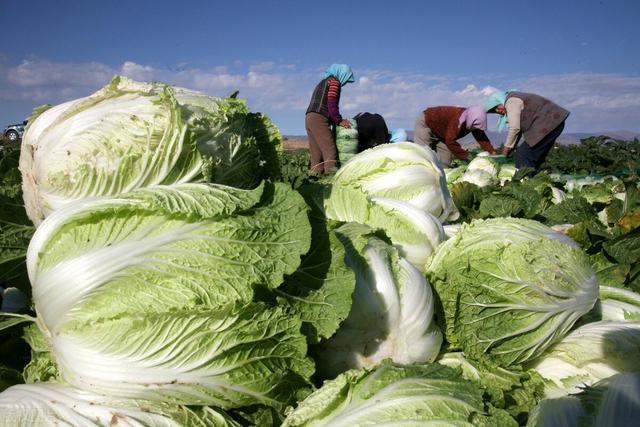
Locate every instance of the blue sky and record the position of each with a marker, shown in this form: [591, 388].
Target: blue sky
[406, 55]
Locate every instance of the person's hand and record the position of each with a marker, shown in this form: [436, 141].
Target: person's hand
[506, 151]
[345, 124]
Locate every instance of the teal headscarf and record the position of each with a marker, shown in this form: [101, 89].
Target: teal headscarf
[495, 99]
[398, 135]
[342, 72]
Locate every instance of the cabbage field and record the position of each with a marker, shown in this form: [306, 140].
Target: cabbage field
[164, 262]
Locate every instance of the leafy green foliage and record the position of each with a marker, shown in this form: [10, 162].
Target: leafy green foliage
[294, 167]
[15, 227]
[595, 155]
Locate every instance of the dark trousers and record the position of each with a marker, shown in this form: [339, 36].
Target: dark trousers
[533, 157]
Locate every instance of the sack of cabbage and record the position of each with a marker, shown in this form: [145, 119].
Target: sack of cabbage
[347, 141]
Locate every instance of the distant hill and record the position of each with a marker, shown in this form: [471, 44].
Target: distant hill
[498, 138]
[565, 139]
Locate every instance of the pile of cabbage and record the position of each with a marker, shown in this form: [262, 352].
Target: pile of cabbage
[176, 281]
[482, 170]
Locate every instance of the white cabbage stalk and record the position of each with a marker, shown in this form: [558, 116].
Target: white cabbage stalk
[603, 217]
[562, 228]
[621, 196]
[403, 171]
[557, 195]
[576, 184]
[450, 230]
[618, 304]
[49, 404]
[417, 244]
[391, 316]
[148, 295]
[588, 354]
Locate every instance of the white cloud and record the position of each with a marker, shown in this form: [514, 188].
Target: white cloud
[597, 101]
[262, 67]
[137, 71]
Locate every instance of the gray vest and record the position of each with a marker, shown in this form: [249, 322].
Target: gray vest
[539, 116]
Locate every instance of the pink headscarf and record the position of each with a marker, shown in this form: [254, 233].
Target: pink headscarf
[474, 118]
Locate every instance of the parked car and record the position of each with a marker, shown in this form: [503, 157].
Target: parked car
[14, 132]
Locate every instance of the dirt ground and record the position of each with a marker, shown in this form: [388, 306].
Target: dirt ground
[295, 143]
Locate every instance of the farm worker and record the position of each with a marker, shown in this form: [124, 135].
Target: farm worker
[440, 127]
[322, 114]
[372, 130]
[538, 119]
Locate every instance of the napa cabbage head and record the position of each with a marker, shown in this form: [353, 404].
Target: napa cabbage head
[588, 354]
[57, 404]
[478, 177]
[151, 294]
[397, 395]
[509, 288]
[399, 188]
[481, 171]
[131, 134]
[454, 174]
[485, 164]
[403, 171]
[392, 312]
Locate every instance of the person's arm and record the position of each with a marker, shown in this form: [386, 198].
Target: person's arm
[482, 139]
[333, 98]
[514, 108]
[451, 139]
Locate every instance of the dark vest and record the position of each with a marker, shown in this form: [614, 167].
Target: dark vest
[318, 102]
[539, 116]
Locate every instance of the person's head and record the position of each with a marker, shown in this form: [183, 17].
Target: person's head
[499, 109]
[474, 118]
[495, 103]
[342, 72]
